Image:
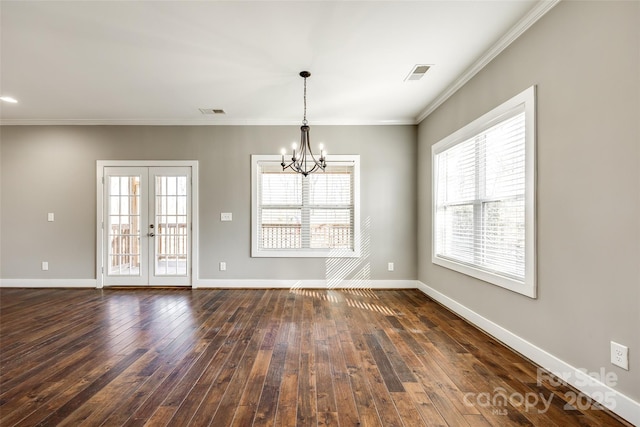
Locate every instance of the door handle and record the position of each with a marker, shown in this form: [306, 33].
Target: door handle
[151, 234]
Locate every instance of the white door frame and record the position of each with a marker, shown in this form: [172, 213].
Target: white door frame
[101, 165]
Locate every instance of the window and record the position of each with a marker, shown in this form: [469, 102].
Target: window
[483, 197]
[297, 216]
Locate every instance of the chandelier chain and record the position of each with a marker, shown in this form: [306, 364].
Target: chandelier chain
[304, 118]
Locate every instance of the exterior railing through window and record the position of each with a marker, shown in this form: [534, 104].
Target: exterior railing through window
[289, 236]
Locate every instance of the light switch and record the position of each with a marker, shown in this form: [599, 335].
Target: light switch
[226, 216]
[50, 217]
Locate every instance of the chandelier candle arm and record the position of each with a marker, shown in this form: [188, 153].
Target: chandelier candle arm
[301, 164]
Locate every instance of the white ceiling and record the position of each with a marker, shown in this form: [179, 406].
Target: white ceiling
[142, 62]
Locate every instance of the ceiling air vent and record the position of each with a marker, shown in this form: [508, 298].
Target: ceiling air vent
[211, 111]
[418, 72]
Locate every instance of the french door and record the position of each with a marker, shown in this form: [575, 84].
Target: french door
[146, 226]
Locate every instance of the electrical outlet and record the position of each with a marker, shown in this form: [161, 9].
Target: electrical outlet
[223, 266]
[45, 265]
[50, 217]
[226, 216]
[620, 355]
[390, 266]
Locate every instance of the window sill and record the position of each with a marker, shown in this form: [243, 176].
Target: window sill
[526, 288]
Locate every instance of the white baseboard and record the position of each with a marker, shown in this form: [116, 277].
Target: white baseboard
[224, 283]
[304, 284]
[615, 401]
[48, 283]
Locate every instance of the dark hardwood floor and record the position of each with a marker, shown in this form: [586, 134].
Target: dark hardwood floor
[262, 357]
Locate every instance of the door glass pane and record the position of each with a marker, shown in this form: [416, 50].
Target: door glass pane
[171, 242]
[123, 226]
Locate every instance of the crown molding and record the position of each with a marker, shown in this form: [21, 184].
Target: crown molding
[197, 122]
[537, 12]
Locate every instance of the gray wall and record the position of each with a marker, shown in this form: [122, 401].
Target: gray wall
[584, 58]
[53, 169]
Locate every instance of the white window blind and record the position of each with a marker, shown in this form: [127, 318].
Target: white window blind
[280, 208]
[304, 216]
[483, 198]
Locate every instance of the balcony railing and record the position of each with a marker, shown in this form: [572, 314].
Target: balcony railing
[289, 236]
[172, 240]
[124, 247]
[171, 243]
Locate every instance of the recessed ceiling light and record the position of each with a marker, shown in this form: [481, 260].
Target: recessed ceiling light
[418, 72]
[8, 99]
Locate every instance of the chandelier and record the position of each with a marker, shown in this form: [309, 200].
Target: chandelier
[302, 160]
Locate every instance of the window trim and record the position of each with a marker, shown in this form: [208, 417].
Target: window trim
[257, 252]
[528, 286]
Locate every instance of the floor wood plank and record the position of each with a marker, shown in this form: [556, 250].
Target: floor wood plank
[280, 357]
